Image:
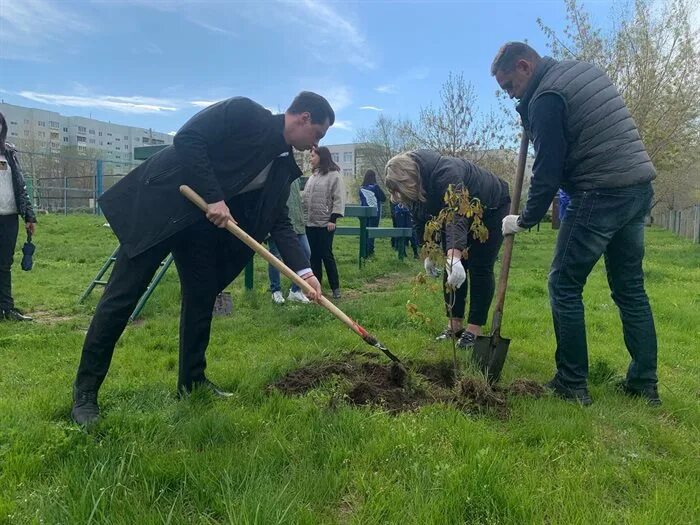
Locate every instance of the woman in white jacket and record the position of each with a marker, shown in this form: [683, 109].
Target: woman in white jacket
[324, 202]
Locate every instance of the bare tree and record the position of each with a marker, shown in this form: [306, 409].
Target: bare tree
[457, 128]
[376, 145]
[652, 55]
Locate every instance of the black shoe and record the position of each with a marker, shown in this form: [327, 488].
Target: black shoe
[649, 393]
[336, 293]
[15, 315]
[85, 409]
[207, 386]
[466, 340]
[447, 334]
[578, 395]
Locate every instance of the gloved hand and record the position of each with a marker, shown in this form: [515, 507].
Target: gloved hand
[510, 225]
[455, 272]
[430, 268]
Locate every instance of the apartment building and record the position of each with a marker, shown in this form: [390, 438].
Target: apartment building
[42, 131]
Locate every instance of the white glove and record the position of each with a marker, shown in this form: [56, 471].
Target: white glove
[455, 272]
[510, 225]
[430, 268]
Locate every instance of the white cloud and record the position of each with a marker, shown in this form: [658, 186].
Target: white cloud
[172, 133]
[29, 27]
[212, 27]
[133, 104]
[343, 124]
[203, 103]
[371, 108]
[388, 89]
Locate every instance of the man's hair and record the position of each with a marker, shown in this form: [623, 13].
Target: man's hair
[325, 161]
[317, 106]
[403, 179]
[3, 132]
[509, 54]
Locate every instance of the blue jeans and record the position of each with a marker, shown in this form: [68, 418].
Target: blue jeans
[608, 223]
[273, 273]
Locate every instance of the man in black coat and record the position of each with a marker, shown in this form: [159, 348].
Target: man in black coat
[238, 156]
[587, 143]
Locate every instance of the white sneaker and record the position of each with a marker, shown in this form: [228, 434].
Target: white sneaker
[298, 297]
[277, 298]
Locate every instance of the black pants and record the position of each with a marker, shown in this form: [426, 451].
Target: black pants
[479, 263]
[9, 225]
[207, 260]
[321, 244]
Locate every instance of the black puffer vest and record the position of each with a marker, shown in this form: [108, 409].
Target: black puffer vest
[604, 146]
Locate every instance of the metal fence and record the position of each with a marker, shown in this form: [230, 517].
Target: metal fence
[60, 183]
[685, 222]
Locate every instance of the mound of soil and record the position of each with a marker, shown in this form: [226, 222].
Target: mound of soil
[396, 389]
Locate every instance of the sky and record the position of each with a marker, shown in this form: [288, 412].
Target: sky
[155, 63]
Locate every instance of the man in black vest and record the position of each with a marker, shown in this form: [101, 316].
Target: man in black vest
[238, 156]
[587, 143]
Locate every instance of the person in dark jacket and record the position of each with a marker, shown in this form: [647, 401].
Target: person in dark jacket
[238, 156]
[587, 143]
[420, 179]
[14, 203]
[371, 195]
[401, 218]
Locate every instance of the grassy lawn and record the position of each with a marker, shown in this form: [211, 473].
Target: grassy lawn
[262, 457]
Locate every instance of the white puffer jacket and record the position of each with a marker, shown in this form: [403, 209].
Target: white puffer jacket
[323, 195]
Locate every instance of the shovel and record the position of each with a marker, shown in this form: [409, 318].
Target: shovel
[301, 283]
[490, 351]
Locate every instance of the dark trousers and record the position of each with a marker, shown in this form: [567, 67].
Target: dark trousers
[478, 261]
[321, 244]
[372, 222]
[207, 260]
[9, 226]
[608, 223]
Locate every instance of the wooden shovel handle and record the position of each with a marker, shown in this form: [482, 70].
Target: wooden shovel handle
[509, 239]
[258, 248]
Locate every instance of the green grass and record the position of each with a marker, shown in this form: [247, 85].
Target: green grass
[265, 458]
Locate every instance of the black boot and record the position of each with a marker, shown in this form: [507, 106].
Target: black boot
[85, 409]
[578, 395]
[649, 393]
[15, 315]
[205, 385]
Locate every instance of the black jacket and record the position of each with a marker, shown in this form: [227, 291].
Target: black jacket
[437, 172]
[217, 153]
[24, 204]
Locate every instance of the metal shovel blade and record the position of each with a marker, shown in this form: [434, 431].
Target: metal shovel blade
[490, 354]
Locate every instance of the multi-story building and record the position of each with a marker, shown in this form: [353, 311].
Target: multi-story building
[42, 131]
[344, 156]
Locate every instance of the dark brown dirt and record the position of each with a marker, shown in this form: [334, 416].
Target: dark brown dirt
[390, 386]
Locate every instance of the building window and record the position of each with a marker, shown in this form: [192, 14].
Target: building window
[109, 134]
[109, 143]
[26, 122]
[41, 133]
[81, 129]
[99, 133]
[65, 130]
[41, 123]
[81, 149]
[13, 123]
[136, 139]
[65, 139]
[118, 139]
[91, 132]
[126, 146]
[81, 139]
[118, 148]
[53, 124]
[54, 135]
[13, 134]
[336, 157]
[145, 140]
[91, 141]
[126, 138]
[347, 172]
[347, 156]
[101, 143]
